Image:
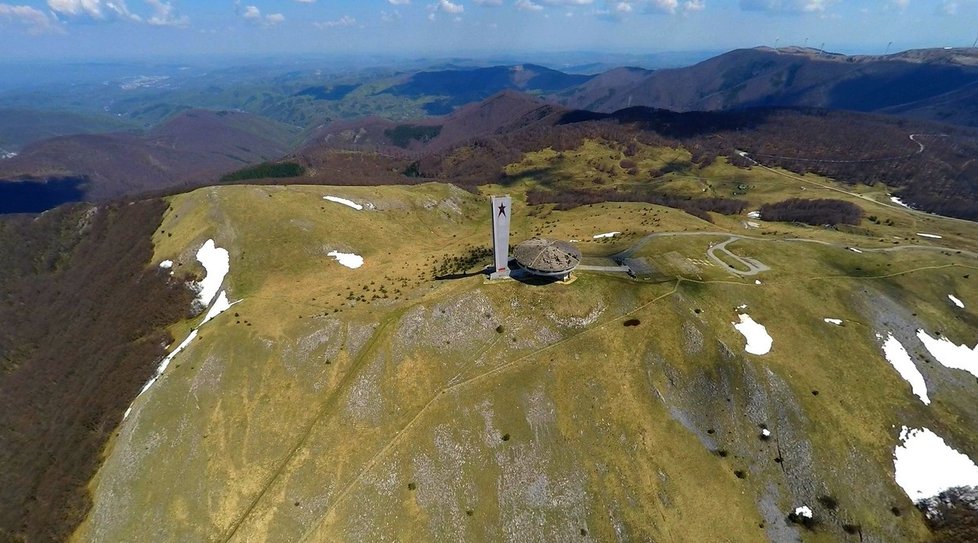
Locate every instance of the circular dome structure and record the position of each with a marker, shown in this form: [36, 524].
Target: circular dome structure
[547, 257]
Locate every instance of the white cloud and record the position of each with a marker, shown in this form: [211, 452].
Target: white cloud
[119, 8]
[787, 6]
[36, 21]
[306, 1]
[253, 14]
[449, 7]
[390, 16]
[163, 14]
[616, 10]
[527, 5]
[399, 2]
[949, 7]
[92, 8]
[662, 6]
[345, 20]
[490, 3]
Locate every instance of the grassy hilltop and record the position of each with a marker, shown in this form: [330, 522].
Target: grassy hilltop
[336, 404]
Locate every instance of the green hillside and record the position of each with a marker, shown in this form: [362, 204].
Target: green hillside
[376, 403]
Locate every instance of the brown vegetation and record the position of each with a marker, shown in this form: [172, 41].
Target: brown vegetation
[193, 147]
[815, 212]
[82, 326]
[698, 207]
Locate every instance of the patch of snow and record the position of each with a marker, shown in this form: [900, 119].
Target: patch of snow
[898, 357]
[165, 363]
[757, 281]
[574, 241]
[837, 322]
[742, 306]
[605, 235]
[752, 224]
[957, 301]
[803, 512]
[349, 260]
[926, 466]
[853, 249]
[217, 263]
[932, 236]
[221, 305]
[758, 340]
[765, 432]
[959, 357]
[754, 215]
[7, 154]
[899, 202]
[344, 201]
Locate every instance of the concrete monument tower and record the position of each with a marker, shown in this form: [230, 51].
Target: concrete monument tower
[502, 207]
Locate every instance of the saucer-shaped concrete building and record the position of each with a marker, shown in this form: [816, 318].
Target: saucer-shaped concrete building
[547, 257]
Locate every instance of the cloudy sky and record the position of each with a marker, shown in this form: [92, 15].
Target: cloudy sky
[144, 28]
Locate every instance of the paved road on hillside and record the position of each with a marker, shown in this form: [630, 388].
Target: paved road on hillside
[754, 266]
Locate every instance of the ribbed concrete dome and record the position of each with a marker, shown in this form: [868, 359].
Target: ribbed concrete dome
[547, 256]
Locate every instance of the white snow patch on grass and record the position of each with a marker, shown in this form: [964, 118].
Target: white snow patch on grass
[605, 235]
[853, 249]
[216, 262]
[898, 357]
[754, 215]
[765, 432]
[957, 301]
[221, 305]
[344, 201]
[803, 512]
[757, 281]
[165, 363]
[926, 466]
[349, 260]
[899, 202]
[837, 322]
[758, 340]
[932, 236]
[959, 357]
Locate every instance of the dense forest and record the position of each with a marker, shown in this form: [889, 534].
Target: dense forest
[934, 171]
[78, 291]
[821, 212]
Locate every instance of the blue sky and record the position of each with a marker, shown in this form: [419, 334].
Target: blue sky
[147, 28]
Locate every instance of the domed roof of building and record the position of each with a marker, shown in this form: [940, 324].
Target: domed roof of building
[547, 255]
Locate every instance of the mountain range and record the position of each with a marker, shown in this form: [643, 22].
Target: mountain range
[770, 337]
